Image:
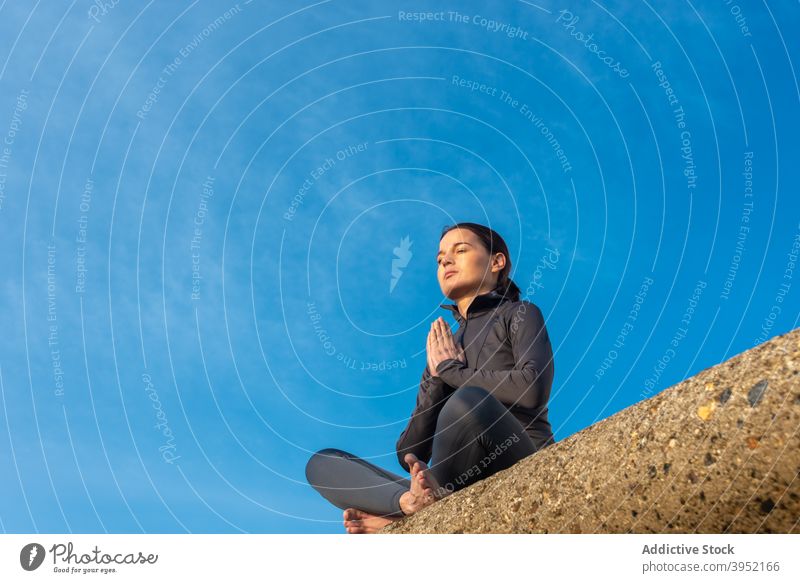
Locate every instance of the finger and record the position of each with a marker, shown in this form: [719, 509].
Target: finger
[435, 332]
[446, 335]
[439, 334]
[438, 326]
[446, 332]
[446, 339]
[445, 328]
[431, 348]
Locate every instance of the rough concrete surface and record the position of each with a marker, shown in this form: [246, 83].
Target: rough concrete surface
[716, 453]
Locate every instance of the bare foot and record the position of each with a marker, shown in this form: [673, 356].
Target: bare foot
[430, 486]
[425, 489]
[415, 498]
[432, 491]
[359, 522]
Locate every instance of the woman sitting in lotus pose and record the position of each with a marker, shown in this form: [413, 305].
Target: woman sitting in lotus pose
[482, 400]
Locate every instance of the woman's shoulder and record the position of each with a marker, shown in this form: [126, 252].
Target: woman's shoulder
[521, 307]
[521, 313]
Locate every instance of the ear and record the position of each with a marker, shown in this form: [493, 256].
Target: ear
[498, 262]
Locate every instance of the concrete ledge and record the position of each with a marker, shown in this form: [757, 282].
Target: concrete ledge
[716, 453]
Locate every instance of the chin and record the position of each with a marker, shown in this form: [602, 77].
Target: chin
[452, 289]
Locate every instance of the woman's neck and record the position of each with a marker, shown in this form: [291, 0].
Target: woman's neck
[464, 302]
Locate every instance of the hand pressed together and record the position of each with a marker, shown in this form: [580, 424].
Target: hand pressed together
[441, 345]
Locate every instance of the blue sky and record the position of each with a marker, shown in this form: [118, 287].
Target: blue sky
[200, 203]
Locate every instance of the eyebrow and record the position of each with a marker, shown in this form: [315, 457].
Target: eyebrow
[453, 245]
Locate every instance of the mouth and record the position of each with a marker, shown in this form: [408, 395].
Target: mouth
[449, 273]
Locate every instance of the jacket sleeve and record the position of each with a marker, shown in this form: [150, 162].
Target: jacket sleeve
[417, 437]
[528, 383]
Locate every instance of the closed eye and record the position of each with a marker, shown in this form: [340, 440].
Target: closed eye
[439, 261]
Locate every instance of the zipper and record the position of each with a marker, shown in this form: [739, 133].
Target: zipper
[462, 338]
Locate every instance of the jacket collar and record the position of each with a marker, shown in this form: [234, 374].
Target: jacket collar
[480, 304]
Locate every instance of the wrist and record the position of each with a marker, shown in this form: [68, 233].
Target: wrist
[448, 362]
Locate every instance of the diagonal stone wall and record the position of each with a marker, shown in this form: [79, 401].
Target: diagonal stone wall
[716, 453]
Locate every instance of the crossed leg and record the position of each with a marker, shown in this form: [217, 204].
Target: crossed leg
[476, 436]
[417, 497]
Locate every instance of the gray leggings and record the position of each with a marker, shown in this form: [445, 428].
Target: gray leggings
[476, 436]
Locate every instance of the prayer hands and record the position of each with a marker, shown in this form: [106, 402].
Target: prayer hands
[441, 345]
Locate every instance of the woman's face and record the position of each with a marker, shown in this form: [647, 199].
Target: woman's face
[464, 265]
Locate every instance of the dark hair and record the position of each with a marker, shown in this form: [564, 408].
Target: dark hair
[493, 243]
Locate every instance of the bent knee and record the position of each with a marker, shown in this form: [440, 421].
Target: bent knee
[465, 401]
[321, 459]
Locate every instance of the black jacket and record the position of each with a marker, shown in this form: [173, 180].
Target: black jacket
[507, 352]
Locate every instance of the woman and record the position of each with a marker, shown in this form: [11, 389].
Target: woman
[482, 400]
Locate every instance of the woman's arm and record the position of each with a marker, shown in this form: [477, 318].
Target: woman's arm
[528, 383]
[417, 438]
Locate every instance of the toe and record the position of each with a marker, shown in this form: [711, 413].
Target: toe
[352, 514]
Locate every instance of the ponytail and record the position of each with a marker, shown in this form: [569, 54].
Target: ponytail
[506, 287]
